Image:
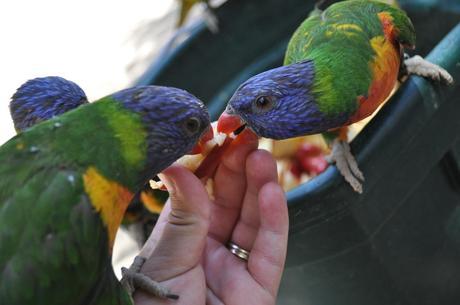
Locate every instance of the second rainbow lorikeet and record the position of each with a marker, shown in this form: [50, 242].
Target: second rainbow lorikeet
[340, 66]
[65, 184]
[43, 98]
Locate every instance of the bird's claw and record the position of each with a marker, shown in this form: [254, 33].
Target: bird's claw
[132, 279]
[346, 164]
[351, 161]
[421, 67]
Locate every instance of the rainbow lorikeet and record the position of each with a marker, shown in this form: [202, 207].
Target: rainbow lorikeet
[43, 98]
[340, 65]
[65, 184]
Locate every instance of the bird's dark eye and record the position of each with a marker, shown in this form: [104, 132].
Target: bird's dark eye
[262, 104]
[192, 125]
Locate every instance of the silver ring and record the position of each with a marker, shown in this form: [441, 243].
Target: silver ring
[238, 251]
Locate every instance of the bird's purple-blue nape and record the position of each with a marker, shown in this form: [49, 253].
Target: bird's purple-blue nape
[279, 103]
[174, 120]
[42, 98]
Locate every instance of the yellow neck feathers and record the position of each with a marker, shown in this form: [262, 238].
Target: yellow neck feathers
[109, 198]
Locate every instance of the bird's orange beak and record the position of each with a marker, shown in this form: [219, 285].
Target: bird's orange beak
[229, 123]
[199, 147]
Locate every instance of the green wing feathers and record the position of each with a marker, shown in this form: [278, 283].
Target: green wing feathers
[51, 236]
[46, 252]
[338, 42]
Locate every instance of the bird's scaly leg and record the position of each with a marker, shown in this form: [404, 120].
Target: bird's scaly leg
[133, 279]
[351, 161]
[346, 164]
[421, 67]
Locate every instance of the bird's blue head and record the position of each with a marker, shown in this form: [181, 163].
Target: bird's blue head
[277, 103]
[173, 118]
[40, 99]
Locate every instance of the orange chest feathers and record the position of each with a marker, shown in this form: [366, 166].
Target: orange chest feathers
[385, 68]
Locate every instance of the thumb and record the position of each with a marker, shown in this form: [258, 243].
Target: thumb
[183, 235]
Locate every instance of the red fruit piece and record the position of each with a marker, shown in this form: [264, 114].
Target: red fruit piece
[314, 165]
[307, 150]
[295, 169]
[199, 147]
[209, 165]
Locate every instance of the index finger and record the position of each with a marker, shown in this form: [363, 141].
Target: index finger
[230, 186]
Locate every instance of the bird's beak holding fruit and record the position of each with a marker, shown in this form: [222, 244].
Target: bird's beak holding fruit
[212, 145]
[229, 123]
[200, 146]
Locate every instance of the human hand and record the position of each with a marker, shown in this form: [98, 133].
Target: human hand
[190, 256]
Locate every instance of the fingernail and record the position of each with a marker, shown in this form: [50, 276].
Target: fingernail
[169, 183]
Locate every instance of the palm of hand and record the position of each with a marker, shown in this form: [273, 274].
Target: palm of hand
[249, 209]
